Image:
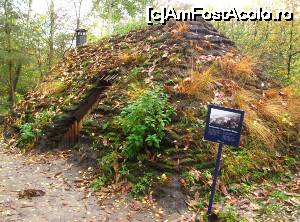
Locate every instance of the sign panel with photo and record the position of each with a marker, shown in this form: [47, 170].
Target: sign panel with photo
[224, 125]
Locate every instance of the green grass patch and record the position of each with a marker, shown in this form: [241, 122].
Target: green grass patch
[143, 184]
[229, 214]
[278, 194]
[272, 207]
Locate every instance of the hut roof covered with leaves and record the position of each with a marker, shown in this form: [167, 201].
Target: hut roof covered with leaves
[168, 73]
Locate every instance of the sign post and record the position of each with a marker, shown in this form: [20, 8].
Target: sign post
[216, 173]
[224, 126]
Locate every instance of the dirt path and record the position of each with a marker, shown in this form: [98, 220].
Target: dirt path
[62, 201]
[65, 198]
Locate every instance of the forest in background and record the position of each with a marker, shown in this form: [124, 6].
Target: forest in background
[32, 43]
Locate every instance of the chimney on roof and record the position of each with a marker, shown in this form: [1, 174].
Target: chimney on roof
[81, 37]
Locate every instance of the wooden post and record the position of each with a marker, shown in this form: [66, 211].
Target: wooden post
[76, 131]
[72, 135]
[80, 125]
[214, 183]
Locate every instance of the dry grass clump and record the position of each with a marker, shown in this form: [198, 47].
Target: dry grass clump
[271, 93]
[128, 58]
[293, 103]
[255, 126]
[293, 107]
[260, 131]
[237, 68]
[197, 84]
[272, 109]
[135, 90]
[195, 46]
[182, 27]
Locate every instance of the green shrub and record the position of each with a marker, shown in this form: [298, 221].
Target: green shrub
[27, 134]
[143, 121]
[124, 170]
[33, 128]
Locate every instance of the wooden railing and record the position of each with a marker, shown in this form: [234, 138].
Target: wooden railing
[70, 138]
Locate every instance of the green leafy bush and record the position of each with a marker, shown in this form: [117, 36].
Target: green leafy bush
[33, 129]
[124, 170]
[144, 121]
[27, 134]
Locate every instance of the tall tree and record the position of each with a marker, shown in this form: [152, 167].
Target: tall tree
[113, 11]
[29, 10]
[52, 18]
[9, 19]
[293, 37]
[78, 13]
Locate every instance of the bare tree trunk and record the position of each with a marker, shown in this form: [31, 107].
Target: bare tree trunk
[29, 10]
[51, 37]
[8, 22]
[78, 14]
[39, 63]
[109, 25]
[17, 75]
[11, 97]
